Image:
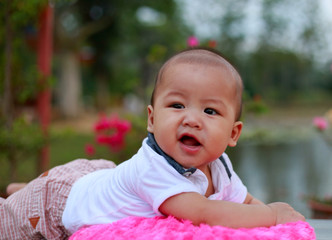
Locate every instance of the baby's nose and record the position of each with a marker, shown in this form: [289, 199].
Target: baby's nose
[192, 119]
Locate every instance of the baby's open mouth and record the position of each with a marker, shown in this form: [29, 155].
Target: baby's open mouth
[189, 141]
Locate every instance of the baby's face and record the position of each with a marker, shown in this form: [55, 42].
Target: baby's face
[193, 117]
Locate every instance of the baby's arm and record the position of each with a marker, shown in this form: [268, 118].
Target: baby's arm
[282, 210]
[251, 200]
[199, 209]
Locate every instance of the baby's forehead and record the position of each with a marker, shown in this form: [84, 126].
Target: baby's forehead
[199, 59]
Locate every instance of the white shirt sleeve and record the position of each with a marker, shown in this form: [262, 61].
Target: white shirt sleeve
[158, 180]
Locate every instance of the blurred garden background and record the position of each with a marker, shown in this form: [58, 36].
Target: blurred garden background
[76, 76]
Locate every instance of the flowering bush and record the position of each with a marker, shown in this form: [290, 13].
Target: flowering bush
[322, 124]
[193, 41]
[109, 132]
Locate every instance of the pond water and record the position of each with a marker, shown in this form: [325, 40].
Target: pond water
[285, 171]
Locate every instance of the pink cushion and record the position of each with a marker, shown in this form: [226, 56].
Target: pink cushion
[171, 228]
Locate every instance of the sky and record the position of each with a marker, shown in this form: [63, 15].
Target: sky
[326, 8]
[195, 11]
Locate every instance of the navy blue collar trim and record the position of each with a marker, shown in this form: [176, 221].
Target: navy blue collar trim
[178, 167]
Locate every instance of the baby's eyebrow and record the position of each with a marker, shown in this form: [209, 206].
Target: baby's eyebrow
[214, 101]
[175, 93]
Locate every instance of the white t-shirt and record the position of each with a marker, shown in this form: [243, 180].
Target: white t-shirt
[139, 186]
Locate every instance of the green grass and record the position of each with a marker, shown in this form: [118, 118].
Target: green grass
[65, 146]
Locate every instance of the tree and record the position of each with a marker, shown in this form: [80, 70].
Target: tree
[72, 30]
[19, 75]
[277, 74]
[284, 61]
[120, 43]
[288, 46]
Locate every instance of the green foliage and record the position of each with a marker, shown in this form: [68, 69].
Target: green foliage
[22, 12]
[256, 107]
[157, 53]
[266, 136]
[19, 139]
[24, 139]
[276, 74]
[25, 74]
[128, 51]
[282, 57]
[21, 28]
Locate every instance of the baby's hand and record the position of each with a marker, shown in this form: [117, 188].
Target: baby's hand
[285, 213]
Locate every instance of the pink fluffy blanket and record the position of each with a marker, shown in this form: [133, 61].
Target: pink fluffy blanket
[171, 228]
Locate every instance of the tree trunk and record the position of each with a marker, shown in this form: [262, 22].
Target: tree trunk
[70, 89]
[102, 93]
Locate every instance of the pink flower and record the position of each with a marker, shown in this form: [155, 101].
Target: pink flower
[192, 41]
[102, 123]
[89, 149]
[102, 139]
[117, 142]
[212, 43]
[320, 123]
[123, 126]
[111, 132]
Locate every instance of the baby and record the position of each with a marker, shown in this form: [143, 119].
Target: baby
[180, 170]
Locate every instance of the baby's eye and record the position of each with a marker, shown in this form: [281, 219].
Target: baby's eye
[210, 111]
[177, 106]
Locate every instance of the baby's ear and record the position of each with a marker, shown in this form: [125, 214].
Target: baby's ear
[236, 132]
[150, 119]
